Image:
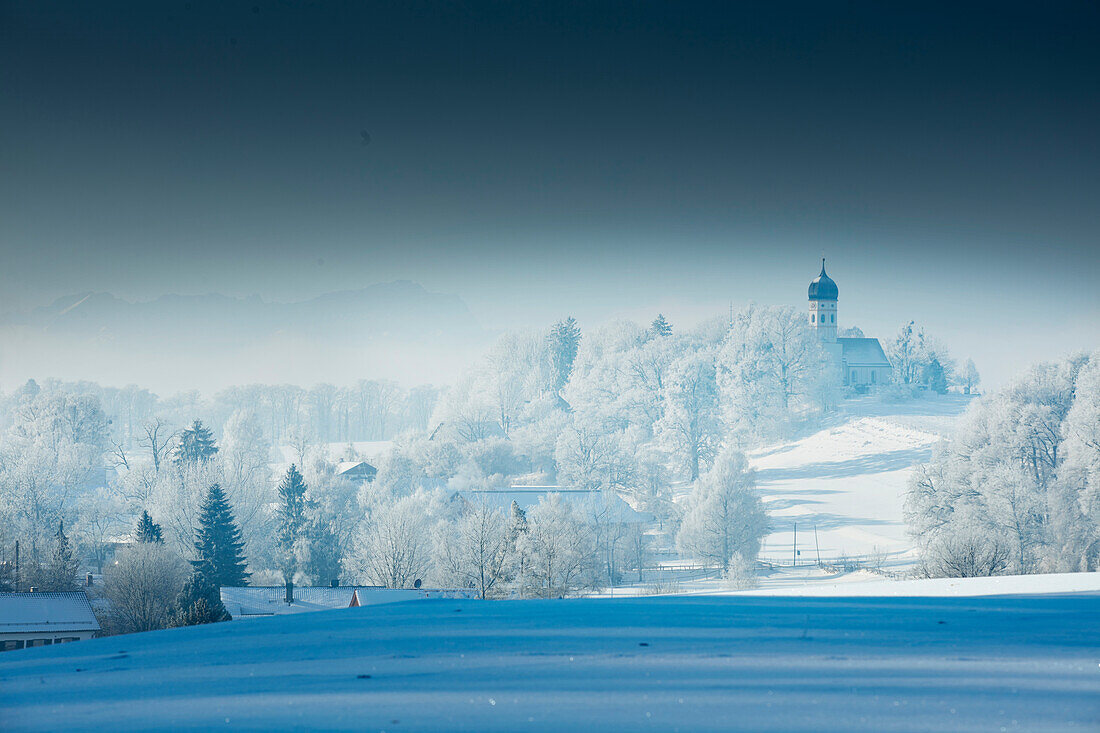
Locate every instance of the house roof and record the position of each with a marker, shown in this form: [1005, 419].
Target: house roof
[863, 352]
[50, 612]
[344, 467]
[246, 601]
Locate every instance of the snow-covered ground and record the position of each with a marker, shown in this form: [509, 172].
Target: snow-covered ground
[685, 663]
[814, 581]
[843, 487]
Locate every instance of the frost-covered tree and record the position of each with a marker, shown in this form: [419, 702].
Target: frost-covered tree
[148, 531]
[560, 548]
[199, 602]
[970, 378]
[291, 520]
[563, 340]
[59, 573]
[773, 371]
[691, 425]
[101, 516]
[394, 544]
[50, 454]
[660, 326]
[219, 550]
[725, 518]
[141, 587]
[1005, 479]
[195, 445]
[473, 552]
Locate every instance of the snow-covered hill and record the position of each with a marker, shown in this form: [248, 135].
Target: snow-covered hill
[844, 486]
[685, 663]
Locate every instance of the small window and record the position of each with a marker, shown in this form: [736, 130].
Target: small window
[832, 318]
[812, 318]
[11, 645]
[38, 642]
[874, 374]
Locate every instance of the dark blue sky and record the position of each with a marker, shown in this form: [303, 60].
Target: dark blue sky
[544, 158]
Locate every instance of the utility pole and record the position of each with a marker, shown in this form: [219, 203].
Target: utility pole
[17, 566]
[794, 546]
[818, 546]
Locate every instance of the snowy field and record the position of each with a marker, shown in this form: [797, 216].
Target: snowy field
[844, 486]
[685, 663]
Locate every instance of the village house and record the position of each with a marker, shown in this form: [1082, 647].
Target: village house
[42, 619]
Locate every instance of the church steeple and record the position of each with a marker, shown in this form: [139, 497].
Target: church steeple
[823, 294]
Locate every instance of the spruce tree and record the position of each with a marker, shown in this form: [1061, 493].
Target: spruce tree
[564, 339]
[292, 518]
[196, 445]
[218, 543]
[148, 531]
[63, 566]
[199, 603]
[660, 326]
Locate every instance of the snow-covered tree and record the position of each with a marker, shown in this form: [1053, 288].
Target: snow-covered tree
[560, 549]
[1005, 479]
[394, 544]
[563, 340]
[691, 425]
[195, 445]
[473, 552]
[148, 531]
[725, 518]
[970, 378]
[772, 371]
[142, 585]
[660, 326]
[291, 520]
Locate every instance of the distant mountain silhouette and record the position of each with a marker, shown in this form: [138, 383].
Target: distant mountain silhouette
[396, 330]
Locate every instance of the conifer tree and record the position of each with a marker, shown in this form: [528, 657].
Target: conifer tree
[292, 518]
[61, 572]
[148, 531]
[218, 543]
[660, 326]
[564, 339]
[199, 603]
[196, 445]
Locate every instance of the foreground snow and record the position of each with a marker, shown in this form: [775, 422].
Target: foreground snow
[685, 663]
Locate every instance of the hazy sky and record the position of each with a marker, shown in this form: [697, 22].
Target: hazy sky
[541, 159]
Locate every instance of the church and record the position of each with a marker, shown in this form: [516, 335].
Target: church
[862, 361]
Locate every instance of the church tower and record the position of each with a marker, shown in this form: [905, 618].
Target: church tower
[823, 296]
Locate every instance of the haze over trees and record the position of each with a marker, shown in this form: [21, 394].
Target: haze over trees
[625, 411]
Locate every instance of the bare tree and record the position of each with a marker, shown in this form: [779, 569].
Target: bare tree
[142, 586]
[473, 551]
[158, 437]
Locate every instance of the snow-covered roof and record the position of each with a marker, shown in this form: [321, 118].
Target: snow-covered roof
[344, 467]
[50, 612]
[245, 601]
[583, 501]
[863, 352]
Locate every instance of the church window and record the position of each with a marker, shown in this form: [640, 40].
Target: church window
[812, 318]
[832, 319]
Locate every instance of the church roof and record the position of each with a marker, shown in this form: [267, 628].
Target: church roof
[863, 352]
[823, 287]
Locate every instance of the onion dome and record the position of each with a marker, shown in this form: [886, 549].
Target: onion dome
[823, 287]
